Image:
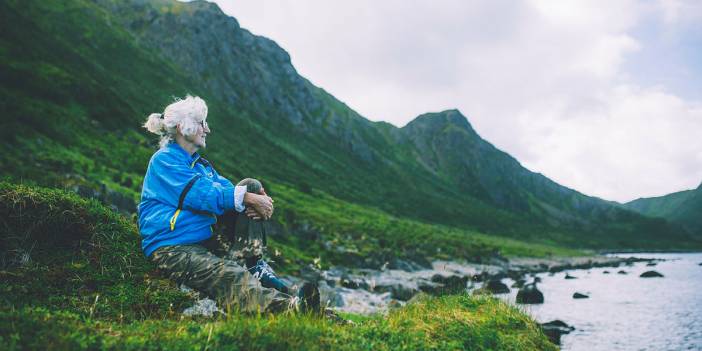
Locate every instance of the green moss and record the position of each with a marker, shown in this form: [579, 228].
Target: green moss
[447, 323]
[74, 278]
[66, 252]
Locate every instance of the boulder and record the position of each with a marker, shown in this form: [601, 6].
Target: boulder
[497, 287]
[651, 264]
[398, 291]
[622, 272]
[529, 294]
[347, 282]
[480, 277]
[651, 274]
[568, 276]
[578, 295]
[310, 273]
[452, 284]
[605, 272]
[554, 329]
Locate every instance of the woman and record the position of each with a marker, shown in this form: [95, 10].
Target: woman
[181, 198]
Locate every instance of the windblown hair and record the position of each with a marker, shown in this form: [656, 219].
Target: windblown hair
[187, 113]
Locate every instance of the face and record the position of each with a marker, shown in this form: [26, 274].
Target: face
[199, 138]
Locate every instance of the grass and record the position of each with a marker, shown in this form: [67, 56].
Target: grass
[75, 278]
[458, 322]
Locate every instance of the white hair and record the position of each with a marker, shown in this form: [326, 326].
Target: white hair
[187, 113]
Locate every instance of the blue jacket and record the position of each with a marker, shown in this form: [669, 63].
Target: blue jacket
[175, 177]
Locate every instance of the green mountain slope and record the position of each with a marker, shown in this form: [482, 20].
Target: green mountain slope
[683, 207]
[81, 76]
[446, 144]
[78, 88]
[477, 186]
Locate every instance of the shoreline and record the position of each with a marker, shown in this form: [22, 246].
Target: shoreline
[368, 291]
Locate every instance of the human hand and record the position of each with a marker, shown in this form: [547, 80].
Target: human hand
[252, 214]
[262, 204]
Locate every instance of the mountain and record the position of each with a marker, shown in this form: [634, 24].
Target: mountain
[683, 207]
[81, 76]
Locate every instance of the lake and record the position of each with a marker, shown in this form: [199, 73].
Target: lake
[624, 311]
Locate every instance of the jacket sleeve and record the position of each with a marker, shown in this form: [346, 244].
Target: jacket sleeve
[239, 191]
[171, 176]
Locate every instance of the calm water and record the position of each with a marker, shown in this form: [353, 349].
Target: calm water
[626, 312]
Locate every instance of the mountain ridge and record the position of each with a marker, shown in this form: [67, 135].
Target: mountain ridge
[271, 123]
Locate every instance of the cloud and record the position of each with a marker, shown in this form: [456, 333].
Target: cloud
[549, 82]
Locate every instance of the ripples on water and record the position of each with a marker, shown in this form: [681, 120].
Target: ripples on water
[626, 312]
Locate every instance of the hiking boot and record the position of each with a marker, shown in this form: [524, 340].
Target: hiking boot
[308, 297]
[265, 274]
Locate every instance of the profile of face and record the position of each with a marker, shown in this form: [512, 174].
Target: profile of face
[199, 138]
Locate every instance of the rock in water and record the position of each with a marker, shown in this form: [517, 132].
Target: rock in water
[554, 330]
[651, 264]
[454, 284]
[578, 295]
[530, 294]
[605, 272]
[622, 272]
[519, 283]
[651, 274]
[568, 276]
[497, 287]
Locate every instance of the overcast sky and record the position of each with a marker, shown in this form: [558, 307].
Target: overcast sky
[601, 96]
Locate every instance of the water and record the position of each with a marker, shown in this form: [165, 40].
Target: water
[626, 312]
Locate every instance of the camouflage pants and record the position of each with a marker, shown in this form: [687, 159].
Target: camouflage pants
[223, 279]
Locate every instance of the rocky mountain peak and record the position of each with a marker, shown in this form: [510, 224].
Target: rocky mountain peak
[440, 121]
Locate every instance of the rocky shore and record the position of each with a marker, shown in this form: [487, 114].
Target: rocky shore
[368, 291]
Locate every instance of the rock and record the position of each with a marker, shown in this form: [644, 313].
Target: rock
[622, 272]
[205, 307]
[348, 282]
[405, 265]
[651, 264]
[497, 287]
[578, 295]
[568, 276]
[482, 276]
[605, 272]
[310, 273]
[519, 283]
[398, 291]
[537, 279]
[329, 296]
[430, 287]
[651, 274]
[554, 330]
[699, 264]
[452, 284]
[529, 294]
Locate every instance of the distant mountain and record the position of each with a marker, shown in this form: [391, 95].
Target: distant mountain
[81, 76]
[683, 207]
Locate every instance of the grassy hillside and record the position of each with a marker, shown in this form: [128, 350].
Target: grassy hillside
[73, 278]
[79, 84]
[683, 207]
[446, 175]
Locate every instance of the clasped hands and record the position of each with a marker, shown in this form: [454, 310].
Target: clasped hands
[258, 206]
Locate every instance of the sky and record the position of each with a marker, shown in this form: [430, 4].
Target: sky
[604, 97]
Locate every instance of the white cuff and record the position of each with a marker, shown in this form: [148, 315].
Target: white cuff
[239, 192]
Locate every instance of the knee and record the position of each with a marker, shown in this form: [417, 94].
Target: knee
[252, 185]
